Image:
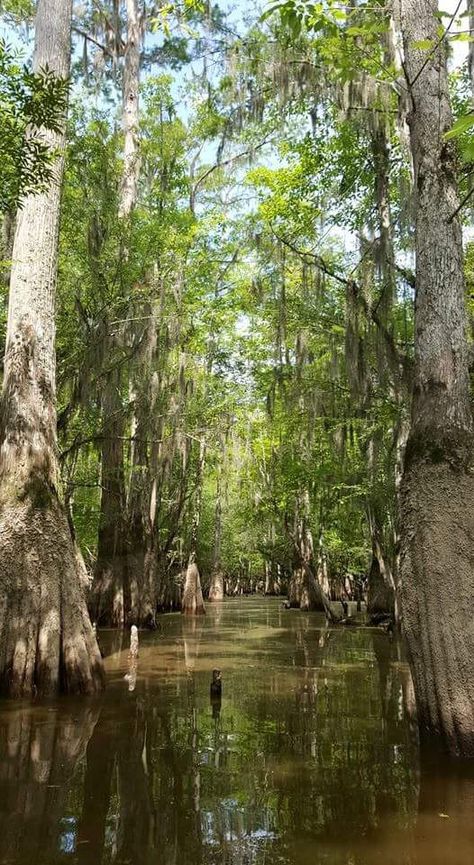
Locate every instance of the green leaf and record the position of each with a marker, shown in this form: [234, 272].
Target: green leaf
[461, 125]
[423, 44]
[461, 37]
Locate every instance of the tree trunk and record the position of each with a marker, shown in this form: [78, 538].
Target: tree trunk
[144, 487]
[380, 597]
[272, 578]
[130, 116]
[304, 590]
[322, 571]
[111, 599]
[193, 603]
[216, 589]
[437, 554]
[381, 586]
[46, 639]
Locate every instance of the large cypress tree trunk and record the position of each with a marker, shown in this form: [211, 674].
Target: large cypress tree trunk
[437, 555]
[46, 639]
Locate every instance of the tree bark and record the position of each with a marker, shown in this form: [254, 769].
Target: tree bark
[381, 586]
[304, 590]
[193, 603]
[144, 487]
[130, 118]
[437, 494]
[109, 601]
[46, 639]
[216, 589]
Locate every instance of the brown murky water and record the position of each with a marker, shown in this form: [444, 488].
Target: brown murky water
[310, 760]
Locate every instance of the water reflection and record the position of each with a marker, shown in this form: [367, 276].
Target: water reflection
[309, 757]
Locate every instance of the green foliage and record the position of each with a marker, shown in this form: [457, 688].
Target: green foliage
[247, 378]
[28, 101]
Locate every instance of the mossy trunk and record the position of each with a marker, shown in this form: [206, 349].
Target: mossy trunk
[47, 643]
[437, 492]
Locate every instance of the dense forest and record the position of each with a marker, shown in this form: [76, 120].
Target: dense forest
[237, 326]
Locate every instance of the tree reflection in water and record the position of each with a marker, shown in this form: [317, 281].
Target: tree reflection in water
[310, 758]
[40, 749]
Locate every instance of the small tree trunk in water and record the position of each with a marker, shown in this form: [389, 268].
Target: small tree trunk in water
[46, 639]
[322, 572]
[304, 590]
[272, 582]
[142, 498]
[193, 603]
[437, 545]
[381, 587]
[216, 589]
[380, 597]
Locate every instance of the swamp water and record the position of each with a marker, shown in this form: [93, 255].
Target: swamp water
[311, 759]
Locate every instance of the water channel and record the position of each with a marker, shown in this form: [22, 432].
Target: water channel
[310, 759]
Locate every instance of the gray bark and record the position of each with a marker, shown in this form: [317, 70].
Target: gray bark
[46, 639]
[437, 493]
[131, 81]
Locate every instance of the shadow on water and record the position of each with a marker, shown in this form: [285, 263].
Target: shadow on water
[310, 757]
